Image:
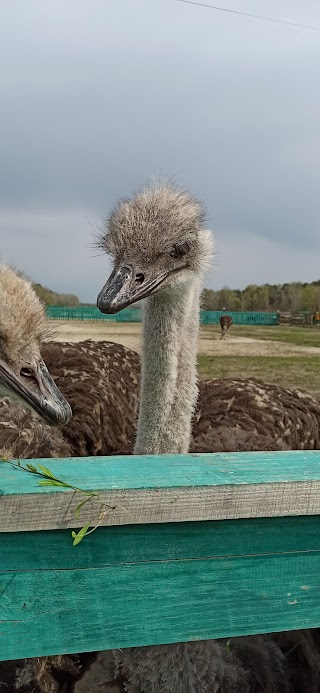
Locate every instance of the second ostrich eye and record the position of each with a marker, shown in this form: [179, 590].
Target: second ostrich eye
[179, 250]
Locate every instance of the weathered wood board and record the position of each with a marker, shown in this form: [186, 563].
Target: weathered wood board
[167, 488]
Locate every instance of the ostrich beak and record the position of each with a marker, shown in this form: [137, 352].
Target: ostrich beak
[125, 287]
[34, 385]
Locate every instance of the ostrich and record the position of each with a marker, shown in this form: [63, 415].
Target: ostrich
[225, 322]
[23, 373]
[26, 385]
[160, 252]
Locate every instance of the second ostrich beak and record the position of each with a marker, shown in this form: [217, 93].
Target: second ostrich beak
[125, 286]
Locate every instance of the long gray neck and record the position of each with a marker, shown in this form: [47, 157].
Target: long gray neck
[169, 376]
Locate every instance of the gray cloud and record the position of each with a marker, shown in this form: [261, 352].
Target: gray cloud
[97, 97]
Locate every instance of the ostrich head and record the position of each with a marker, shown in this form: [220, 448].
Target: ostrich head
[156, 241]
[23, 327]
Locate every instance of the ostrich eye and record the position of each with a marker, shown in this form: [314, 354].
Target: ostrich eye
[179, 250]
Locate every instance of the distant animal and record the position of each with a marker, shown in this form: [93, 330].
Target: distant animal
[225, 323]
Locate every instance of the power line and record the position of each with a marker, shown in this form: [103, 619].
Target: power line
[253, 16]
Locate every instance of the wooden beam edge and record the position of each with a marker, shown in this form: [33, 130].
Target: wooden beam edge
[45, 511]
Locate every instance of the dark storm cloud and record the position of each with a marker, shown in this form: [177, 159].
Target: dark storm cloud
[97, 97]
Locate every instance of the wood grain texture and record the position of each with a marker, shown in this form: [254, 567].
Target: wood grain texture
[167, 488]
[143, 585]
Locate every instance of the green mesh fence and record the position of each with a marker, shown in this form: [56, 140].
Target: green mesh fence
[208, 317]
[212, 317]
[92, 313]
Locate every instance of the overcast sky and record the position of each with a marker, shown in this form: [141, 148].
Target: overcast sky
[99, 95]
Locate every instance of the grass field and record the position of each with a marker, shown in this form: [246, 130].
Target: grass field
[288, 356]
[301, 372]
[301, 336]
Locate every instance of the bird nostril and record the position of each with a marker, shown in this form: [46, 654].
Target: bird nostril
[139, 278]
[27, 372]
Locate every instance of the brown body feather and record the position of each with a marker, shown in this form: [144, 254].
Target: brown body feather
[100, 380]
[25, 436]
[251, 410]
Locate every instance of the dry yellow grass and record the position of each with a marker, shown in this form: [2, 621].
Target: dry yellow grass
[236, 344]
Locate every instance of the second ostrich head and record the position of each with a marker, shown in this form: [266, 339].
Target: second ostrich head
[23, 328]
[156, 241]
[160, 253]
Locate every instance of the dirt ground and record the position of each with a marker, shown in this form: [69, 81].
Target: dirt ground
[129, 334]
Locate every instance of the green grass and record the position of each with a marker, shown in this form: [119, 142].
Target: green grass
[301, 336]
[301, 372]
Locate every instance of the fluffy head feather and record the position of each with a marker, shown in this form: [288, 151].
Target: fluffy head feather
[23, 323]
[159, 228]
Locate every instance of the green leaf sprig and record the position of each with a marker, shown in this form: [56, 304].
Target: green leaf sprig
[49, 479]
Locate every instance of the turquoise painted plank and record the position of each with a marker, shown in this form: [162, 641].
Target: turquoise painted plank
[169, 471]
[154, 542]
[52, 611]
[144, 585]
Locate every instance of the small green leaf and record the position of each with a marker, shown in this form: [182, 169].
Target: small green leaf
[52, 482]
[78, 508]
[80, 535]
[31, 468]
[73, 534]
[47, 472]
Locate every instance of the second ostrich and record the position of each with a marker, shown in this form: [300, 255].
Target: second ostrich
[160, 252]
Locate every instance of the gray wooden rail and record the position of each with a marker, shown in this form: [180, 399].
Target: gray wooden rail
[190, 547]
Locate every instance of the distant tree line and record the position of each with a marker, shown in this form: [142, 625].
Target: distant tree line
[293, 297]
[52, 298]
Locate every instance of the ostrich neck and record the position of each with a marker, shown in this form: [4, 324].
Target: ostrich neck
[169, 376]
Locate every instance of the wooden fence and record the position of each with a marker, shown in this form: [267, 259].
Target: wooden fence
[302, 319]
[190, 547]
